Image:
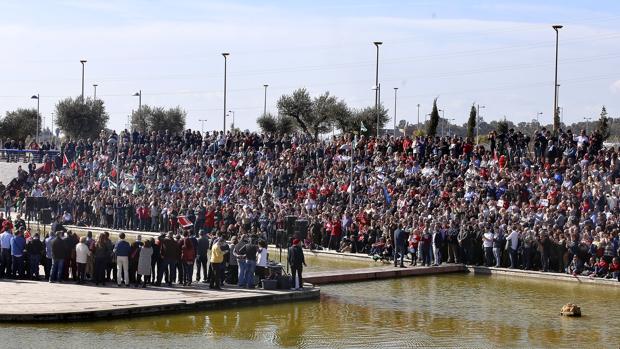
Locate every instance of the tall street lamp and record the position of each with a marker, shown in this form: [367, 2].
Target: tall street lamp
[555, 86]
[202, 127]
[587, 119]
[537, 115]
[225, 55]
[418, 117]
[38, 116]
[139, 95]
[265, 104]
[95, 93]
[233, 119]
[83, 61]
[450, 125]
[443, 119]
[395, 96]
[478, 123]
[378, 89]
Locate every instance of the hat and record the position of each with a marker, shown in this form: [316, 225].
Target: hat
[295, 241]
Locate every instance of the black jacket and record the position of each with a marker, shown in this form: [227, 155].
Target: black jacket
[296, 256]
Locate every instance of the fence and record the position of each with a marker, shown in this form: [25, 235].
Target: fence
[19, 155]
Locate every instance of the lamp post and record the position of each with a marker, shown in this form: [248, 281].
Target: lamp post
[139, 95]
[377, 86]
[265, 103]
[83, 61]
[395, 96]
[443, 121]
[537, 115]
[95, 93]
[225, 55]
[202, 127]
[418, 117]
[587, 119]
[38, 116]
[449, 125]
[233, 119]
[478, 123]
[555, 85]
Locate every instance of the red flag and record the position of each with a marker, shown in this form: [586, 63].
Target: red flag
[184, 222]
[74, 165]
[113, 173]
[65, 161]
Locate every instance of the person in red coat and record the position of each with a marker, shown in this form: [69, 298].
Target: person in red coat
[188, 256]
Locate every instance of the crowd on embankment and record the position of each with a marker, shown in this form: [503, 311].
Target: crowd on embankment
[547, 201]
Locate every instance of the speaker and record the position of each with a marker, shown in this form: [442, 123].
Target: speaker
[281, 238]
[42, 202]
[45, 216]
[289, 224]
[301, 229]
[31, 203]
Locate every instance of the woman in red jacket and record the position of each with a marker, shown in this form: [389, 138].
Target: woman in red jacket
[188, 256]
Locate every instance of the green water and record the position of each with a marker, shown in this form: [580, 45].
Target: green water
[455, 310]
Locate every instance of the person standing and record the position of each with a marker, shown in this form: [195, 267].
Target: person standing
[47, 265]
[202, 252]
[5, 250]
[217, 258]
[414, 243]
[34, 250]
[437, 244]
[513, 243]
[169, 251]
[249, 250]
[59, 254]
[18, 245]
[81, 257]
[241, 261]
[297, 262]
[487, 244]
[101, 254]
[425, 247]
[453, 246]
[144, 262]
[122, 250]
[400, 244]
[188, 256]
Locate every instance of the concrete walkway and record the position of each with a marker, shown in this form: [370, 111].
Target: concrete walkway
[32, 301]
[376, 273]
[541, 275]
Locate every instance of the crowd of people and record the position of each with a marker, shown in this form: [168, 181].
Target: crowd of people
[168, 259]
[547, 201]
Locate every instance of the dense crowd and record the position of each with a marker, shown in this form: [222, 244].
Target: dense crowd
[547, 201]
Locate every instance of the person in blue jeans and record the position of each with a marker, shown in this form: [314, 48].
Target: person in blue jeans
[243, 266]
[18, 245]
[59, 254]
[250, 250]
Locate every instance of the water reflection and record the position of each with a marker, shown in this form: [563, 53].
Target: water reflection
[447, 311]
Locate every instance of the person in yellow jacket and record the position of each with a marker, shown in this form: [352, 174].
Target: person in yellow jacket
[217, 262]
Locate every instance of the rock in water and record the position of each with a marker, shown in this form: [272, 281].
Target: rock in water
[570, 309]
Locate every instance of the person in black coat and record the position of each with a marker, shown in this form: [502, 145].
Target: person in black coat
[297, 262]
[400, 245]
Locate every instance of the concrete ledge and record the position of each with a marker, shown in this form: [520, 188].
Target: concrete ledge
[33, 301]
[377, 273]
[541, 275]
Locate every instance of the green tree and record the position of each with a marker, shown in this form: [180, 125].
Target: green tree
[313, 116]
[368, 116]
[19, 124]
[434, 121]
[267, 123]
[603, 124]
[281, 125]
[149, 119]
[471, 123]
[502, 127]
[81, 118]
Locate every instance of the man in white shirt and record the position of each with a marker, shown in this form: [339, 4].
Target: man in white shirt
[513, 244]
[487, 244]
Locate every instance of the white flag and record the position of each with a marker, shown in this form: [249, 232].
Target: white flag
[363, 128]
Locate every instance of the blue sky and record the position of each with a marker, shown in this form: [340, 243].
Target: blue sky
[496, 53]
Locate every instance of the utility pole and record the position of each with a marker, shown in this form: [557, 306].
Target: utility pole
[377, 86]
[225, 55]
[478, 122]
[555, 85]
[395, 95]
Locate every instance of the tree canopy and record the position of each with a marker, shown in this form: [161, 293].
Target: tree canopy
[19, 124]
[149, 119]
[434, 121]
[471, 123]
[81, 118]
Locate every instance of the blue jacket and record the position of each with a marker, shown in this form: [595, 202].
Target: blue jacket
[122, 248]
[18, 244]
